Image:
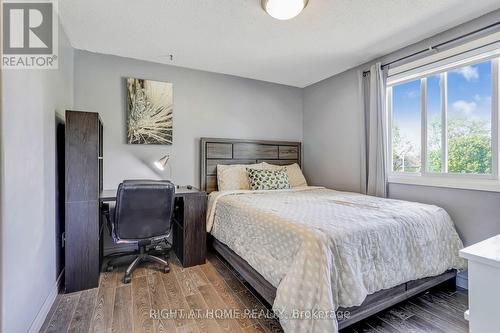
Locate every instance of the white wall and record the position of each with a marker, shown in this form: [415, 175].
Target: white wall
[205, 105]
[31, 99]
[332, 132]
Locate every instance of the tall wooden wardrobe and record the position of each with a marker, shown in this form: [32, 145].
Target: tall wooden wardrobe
[83, 178]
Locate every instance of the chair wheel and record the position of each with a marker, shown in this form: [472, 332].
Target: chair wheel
[110, 268]
[166, 269]
[126, 279]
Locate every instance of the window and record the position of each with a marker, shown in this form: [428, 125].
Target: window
[443, 122]
[406, 127]
[469, 119]
[434, 124]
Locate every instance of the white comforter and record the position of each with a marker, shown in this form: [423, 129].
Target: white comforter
[325, 249]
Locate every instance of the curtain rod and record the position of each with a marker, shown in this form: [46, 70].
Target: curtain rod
[434, 47]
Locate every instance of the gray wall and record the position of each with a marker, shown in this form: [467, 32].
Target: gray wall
[476, 213]
[31, 99]
[332, 132]
[205, 104]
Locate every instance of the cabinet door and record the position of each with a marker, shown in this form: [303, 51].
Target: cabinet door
[82, 245]
[81, 155]
[195, 235]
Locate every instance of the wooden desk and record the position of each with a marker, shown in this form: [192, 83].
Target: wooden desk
[189, 227]
[110, 195]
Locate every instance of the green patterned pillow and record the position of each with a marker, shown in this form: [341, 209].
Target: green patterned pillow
[268, 179]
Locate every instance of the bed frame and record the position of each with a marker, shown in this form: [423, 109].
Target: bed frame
[235, 151]
[229, 151]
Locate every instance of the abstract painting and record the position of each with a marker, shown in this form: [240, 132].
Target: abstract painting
[150, 112]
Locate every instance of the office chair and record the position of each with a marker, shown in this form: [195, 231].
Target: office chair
[142, 215]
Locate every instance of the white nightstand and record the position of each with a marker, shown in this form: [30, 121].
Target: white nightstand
[484, 285]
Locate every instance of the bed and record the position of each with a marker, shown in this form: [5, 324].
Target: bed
[316, 249]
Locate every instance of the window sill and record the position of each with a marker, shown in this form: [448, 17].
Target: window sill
[477, 184]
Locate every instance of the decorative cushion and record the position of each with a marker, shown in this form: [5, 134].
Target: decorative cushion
[295, 176]
[234, 176]
[268, 179]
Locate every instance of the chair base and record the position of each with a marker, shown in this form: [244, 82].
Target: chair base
[139, 258]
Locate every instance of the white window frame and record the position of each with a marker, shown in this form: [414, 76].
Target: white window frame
[487, 182]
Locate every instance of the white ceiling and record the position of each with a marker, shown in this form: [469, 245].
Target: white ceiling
[237, 37]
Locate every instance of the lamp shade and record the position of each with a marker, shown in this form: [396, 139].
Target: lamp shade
[162, 162]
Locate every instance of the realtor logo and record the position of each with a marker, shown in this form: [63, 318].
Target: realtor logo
[29, 34]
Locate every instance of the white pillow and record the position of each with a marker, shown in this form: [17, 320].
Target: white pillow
[295, 176]
[234, 176]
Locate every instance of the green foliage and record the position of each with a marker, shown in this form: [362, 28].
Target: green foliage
[434, 160]
[469, 146]
[469, 154]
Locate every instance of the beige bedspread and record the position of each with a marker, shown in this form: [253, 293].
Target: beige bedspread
[323, 249]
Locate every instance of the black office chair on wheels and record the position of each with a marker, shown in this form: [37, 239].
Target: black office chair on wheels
[143, 216]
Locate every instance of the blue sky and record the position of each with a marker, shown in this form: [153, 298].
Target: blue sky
[469, 95]
[469, 91]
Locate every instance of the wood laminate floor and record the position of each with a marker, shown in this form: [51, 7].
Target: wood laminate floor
[117, 307]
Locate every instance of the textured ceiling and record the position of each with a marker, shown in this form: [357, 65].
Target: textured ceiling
[237, 37]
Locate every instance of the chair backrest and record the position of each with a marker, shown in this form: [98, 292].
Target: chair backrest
[143, 209]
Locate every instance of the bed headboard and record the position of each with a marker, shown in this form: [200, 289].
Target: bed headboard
[236, 151]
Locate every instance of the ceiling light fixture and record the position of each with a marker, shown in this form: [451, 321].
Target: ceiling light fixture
[283, 9]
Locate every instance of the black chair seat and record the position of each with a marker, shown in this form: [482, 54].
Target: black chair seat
[142, 215]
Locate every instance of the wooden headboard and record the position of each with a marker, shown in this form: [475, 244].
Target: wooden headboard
[235, 151]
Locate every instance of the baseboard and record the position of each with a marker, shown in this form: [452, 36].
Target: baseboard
[463, 280]
[44, 310]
